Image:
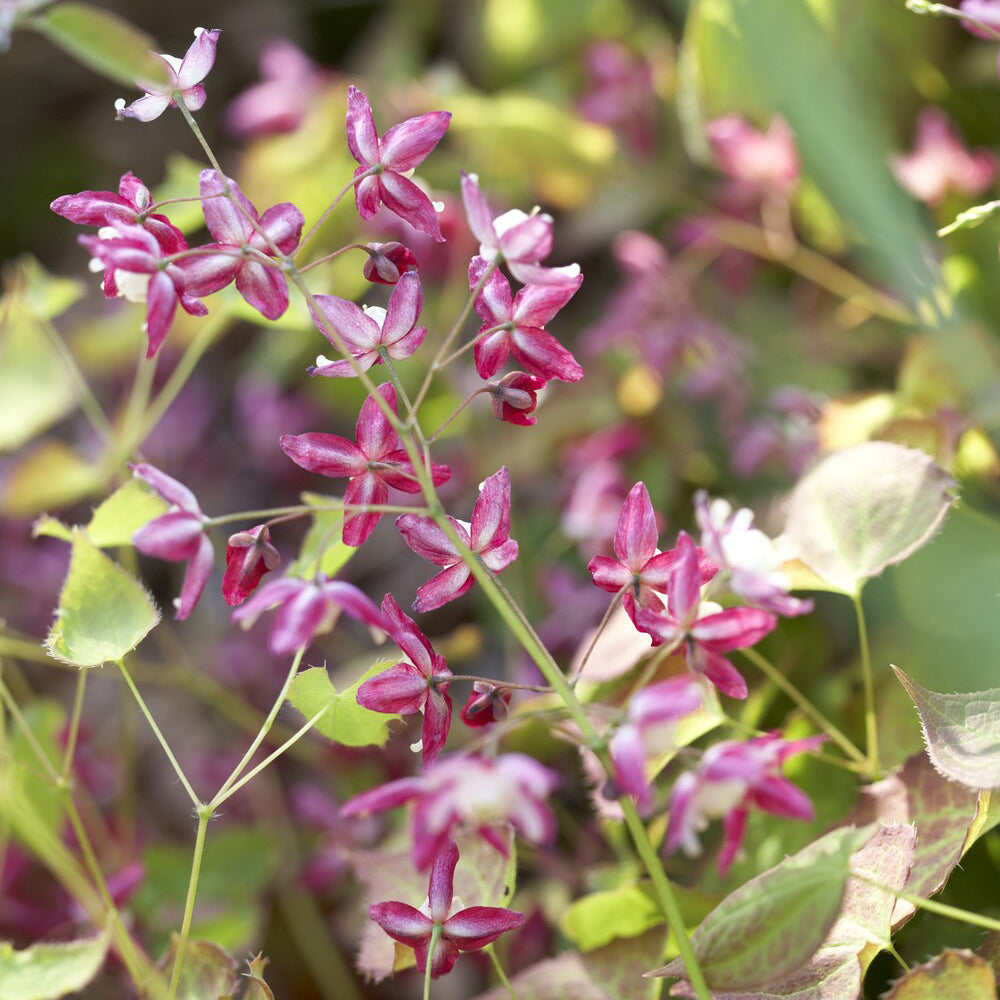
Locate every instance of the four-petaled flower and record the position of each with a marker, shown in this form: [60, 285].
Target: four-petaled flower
[516, 238]
[376, 462]
[385, 161]
[703, 627]
[517, 325]
[183, 76]
[306, 608]
[468, 791]
[179, 535]
[732, 778]
[417, 684]
[135, 267]
[466, 929]
[243, 247]
[249, 555]
[366, 332]
[488, 536]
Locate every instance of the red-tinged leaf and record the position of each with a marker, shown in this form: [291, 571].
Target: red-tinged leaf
[962, 732]
[863, 509]
[952, 975]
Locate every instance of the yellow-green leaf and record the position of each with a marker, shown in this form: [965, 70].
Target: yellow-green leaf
[954, 974]
[50, 971]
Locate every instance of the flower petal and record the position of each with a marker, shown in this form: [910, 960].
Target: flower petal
[476, 926]
[161, 304]
[198, 59]
[283, 224]
[734, 628]
[441, 888]
[491, 514]
[362, 138]
[363, 489]
[426, 539]
[170, 489]
[437, 722]
[636, 534]
[405, 305]
[327, 454]
[358, 331]
[535, 305]
[408, 144]
[402, 196]
[444, 587]
[404, 923]
[477, 211]
[541, 354]
[199, 569]
[530, 240]
[376, 436]
[403, 631]
[401, 689]
[265, 288]
[224, 220]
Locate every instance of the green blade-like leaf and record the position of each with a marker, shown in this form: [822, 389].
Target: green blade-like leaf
[954, 974]
[345, 721]
[863, 509]
[103, 611]
[102, 41]
[962, 732]
[50, 971]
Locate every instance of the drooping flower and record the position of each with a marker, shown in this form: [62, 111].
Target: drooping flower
[747, 557]
[135, 267]
[373, 464]
[366, 331]
[466, 929]
[130, 205]
[237, 254]
[387, 159]
[703, 629]
[387, 261]
[488, 536]
[179, 535]
[183, 76]
[940, 162]
[515, 397]
[517, 324]
[640, 565]
[417, 684]
[732, 778]
[249, 555]
[468, 791]
[306, 608]
[486, 704]
[518, 239]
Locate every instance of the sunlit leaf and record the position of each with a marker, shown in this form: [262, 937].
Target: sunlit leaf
[322, 550]
[114, 521]
[103, 611]
[48, 476]
[50, 971]
[865, 508]
[599, 917]
[954, 974]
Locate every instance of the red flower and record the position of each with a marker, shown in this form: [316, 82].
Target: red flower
[249, 555]
[387, 261]
[487, 704]
[515, 397]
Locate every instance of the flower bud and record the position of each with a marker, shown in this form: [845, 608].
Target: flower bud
[487, 703]
[387, 261]
[515, 397]
[249, 555]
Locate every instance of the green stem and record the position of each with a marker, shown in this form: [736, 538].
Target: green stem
[432, 948]
[204, 815]
[871, 719]
[135, 406]
[773, 674]
[597, 635]
[74, 724]
[491, 951]
[943, 10]
[178, 770]
[319, 222]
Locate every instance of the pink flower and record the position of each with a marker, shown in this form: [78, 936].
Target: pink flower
[940, 162]
[387, 159]
[519, 240]
[184, 76]
[241, 251]
[650, 730]
[387, 261]
[732, 778]
[468, 791]
[517, 326]
[135, 267]
[621, 94]
[306, 608]
[986, 11]
[515, 397]
[747, 557]
[249, 555]
[640, 565]
[761, 163]
[705, 630]
[367, 331]
[461, 930]
[373, 464]
[486, 704]
[179, 535]
[419, 684]
[130, 205]
[488, 536]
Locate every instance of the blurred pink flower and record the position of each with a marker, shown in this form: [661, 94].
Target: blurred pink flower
[762, 164]
[986, 11]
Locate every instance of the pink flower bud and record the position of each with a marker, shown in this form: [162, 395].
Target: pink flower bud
[249, 555]
[487, 704]
[387, 262]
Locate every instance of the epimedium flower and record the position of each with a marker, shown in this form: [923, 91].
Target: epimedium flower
[184, 78]
[705, 630]
[384, 162]
[732, 778]
[306, 608]
[417, 684]
[243, 239]
[372, 464]
[180, 535]
[468, 791]
[516, 238]
[366, 332]
[461, 928]
[387, 262]
[517, 325]
[515, 397]
[488, 536]
[249, 555]
[760, 164]
[488, 703]
[136, 268]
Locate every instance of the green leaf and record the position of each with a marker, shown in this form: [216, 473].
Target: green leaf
[599, 917]
[29, 785]
[209, 971]
[30, 291]
[774, 924]
[50, 475]
[323, 536]
[49, 971]
[345, 721]
[962, 732]
[103, 42]
[954, 974]
[865, 508]
[103, 611]
[257, 989]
